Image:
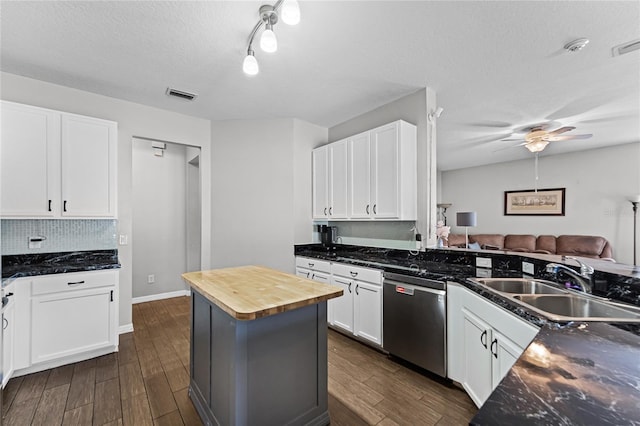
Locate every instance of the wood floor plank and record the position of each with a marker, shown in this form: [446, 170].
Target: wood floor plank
[21, 412]
[32, 386]
[52, 405]
[360, 408]
[107, 406]
[83, 385]
[171, 419]
[149, 362]
[177, 375]
[136, 411]
[341, 415]
[131, 382]
[127, 349]
[9, 393]
[160, 396]
[81, 416]
[106, 367]
[187, 410]
[60, 376]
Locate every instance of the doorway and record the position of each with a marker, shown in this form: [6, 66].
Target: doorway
[166, 217]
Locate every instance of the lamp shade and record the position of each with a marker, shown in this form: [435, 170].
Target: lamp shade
[466, 219]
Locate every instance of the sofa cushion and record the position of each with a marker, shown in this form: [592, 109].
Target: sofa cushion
[582, 245]
[490, 241]
[455, 240]
[522, 243]
[546, 244]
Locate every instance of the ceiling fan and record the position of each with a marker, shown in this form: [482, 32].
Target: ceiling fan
[537, 137]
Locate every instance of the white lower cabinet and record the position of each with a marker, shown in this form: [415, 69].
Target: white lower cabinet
[65, 318]
[313, 269]
[8, 336]
[484, 341]
[359, 309]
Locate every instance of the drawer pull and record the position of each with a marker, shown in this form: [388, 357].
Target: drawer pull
[353, 274]
[76, 283]
[311, 265]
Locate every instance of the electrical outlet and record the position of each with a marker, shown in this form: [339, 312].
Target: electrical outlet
[151, 279]
[527, 268]
[124, 240]
[483, 262]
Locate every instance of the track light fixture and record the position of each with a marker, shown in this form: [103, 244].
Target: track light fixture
[268, 41]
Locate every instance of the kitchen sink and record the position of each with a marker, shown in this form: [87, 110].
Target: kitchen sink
[558, 304]
[578, 307]
[520, 285]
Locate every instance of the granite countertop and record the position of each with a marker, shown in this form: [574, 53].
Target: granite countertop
[593, 371]
[252, 292]
[25, 265]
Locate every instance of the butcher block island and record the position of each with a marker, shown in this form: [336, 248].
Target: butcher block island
[259, 347]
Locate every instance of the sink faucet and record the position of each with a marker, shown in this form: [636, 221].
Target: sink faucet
[583, 278]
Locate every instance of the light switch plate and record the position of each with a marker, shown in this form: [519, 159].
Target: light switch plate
[483, 262]
[527, 268]
[124, 240]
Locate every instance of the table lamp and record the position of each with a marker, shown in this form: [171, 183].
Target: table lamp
[466, 219]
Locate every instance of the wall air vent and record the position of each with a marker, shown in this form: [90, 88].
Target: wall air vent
[624, 48]
[181, 94]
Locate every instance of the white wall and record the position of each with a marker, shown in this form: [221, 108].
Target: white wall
[133, 120]
[598, 183]
[261, 208]
[413, 109]
[159, 234]
[194, 210]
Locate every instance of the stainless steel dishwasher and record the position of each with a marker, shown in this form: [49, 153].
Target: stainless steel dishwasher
[415, 320]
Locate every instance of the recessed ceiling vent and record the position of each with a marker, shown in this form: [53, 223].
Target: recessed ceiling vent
[621, 49]
[181, 94]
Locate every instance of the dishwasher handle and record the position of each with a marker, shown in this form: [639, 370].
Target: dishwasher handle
[409, 289]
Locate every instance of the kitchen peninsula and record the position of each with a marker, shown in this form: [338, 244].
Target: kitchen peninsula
[258, 347]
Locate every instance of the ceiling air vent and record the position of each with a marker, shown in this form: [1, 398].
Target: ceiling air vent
[621, 49]
[181, 94]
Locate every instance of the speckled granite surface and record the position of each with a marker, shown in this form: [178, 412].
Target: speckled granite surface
[592, 376]
[24, 265]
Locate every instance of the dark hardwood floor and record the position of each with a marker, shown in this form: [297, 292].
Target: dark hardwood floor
[146, 383]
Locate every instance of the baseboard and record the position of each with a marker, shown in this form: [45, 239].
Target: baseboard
[160, 296]
[127, 328]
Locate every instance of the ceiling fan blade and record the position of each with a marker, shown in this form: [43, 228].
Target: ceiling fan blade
[562, 130]
[512, 139]
[569, 137]
[509, 147]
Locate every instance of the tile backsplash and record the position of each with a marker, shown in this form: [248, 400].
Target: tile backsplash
[60, 235]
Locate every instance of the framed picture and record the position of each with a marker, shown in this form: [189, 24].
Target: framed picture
[547, 202]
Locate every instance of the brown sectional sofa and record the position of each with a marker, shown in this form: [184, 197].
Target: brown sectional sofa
[568, 245]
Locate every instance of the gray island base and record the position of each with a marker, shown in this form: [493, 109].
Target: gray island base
[266, 371]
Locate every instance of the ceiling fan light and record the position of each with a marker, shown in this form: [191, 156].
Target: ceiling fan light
[250, 64]
[291, 12]
[537, 145]
[268, 40]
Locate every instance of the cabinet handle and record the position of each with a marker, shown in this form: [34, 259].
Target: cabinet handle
[111, 297]
[330, 213]
[8, 295]
[353, 274]
[64, 206]
[357, 285]
[76, 283]
[311, 265]
[313, 275]
[495, 354]
[374, 209]
[49, 205]
[308, 274]
[325, 211]
[5, 323]
[483, 339]
[367, 208]
[349, 287]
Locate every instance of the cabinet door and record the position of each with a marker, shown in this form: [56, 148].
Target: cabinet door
[338, 180]
[359, 177]
[504, 353]
[72, 322]
[320, 178]
[88, 167]
[30, 160]
[368, 312]
[8, 333]
[385, 171]
[477, 358]
[342, 307]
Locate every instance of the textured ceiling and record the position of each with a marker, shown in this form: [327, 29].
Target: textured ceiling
[496, 66]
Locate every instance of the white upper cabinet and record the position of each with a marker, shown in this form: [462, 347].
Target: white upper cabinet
[30, 161]
[88, 166]
[320, 178]
[56, 164]
[381, 173]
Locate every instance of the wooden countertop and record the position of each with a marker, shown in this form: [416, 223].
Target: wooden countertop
[251, 292]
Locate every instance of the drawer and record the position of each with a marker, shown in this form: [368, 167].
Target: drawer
[359, 273]
[73, 281]
[315, 264]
